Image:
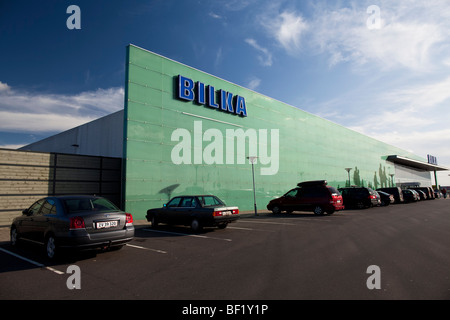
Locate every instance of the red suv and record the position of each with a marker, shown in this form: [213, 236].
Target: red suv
[314, 196]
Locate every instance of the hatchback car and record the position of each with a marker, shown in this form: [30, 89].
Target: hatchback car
[80, 222]
[359, 197]
[196, 211]
[315, 196]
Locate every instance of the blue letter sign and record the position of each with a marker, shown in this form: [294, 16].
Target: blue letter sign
[207, 95]
[185, 88]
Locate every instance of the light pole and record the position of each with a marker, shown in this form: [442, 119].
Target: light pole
[348, 171]
[252, 160]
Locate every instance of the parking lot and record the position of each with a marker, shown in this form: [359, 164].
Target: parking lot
[265, 257]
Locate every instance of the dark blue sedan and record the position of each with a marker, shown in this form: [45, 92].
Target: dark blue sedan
[196, 211]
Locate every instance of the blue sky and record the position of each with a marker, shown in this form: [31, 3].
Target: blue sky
[383, 73]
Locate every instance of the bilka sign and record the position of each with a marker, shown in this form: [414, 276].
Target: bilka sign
[207, 95]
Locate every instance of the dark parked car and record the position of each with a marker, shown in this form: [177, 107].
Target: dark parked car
[195, 211]
[427, 190]
[80, 222]
[422, 195]
[359, 197]
[314, 196]
[385, 198]
[395, 191]
[410, 195]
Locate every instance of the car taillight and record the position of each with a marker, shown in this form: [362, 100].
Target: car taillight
[372, 196]
[334, 198]
[236, 211]
[77, 223]
[129, 218]
[217, 213]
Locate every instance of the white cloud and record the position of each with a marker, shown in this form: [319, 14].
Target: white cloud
[414, 118]
[421, 97]
[39, 122]
[214, 15]
[23, 111]
[266, 58]
[409, 35]
[4, 87]
[254, 83]
[411, 32]
[287, 28]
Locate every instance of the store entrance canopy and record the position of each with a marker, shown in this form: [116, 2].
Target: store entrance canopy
[416, 164]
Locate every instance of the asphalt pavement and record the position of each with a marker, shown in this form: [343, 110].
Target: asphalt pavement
[397, 252]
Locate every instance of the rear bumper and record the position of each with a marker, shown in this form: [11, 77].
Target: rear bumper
[82, 240]
[220, 220]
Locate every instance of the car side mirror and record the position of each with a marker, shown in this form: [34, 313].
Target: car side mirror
[25, 212]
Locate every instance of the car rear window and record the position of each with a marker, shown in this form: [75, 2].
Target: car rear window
[209, 201]
[334, 191]
[89, 204]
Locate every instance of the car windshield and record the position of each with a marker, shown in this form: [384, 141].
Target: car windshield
[210, 201]
[89, 204]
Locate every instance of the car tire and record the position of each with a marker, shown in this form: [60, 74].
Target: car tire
[195, 225]
[318, 210]
[154, 222]
[13, 236]
[50, 246]
[276, 210]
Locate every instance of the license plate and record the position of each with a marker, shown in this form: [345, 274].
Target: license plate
[106, 224]
[226, 213]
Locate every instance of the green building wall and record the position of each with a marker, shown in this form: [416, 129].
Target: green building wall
[174, 147]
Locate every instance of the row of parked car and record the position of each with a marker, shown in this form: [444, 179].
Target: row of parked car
[320, 198]
[90, 222]
[83, 222]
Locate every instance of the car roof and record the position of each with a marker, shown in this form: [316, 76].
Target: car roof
[74, 196]
[196, 195]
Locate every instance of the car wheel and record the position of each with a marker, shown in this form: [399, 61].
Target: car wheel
[14, 237]
[276, 210]
[195, 225]
[318, 210]
[154, 222]
[50, 247]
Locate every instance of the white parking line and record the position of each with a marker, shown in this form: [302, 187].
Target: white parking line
[307, 219]
[267, 222]
[249, 229]
[144, 248]
[186, 234]
[37, 264]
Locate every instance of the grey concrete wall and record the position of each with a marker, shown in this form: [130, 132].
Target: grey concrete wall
[28, 176]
